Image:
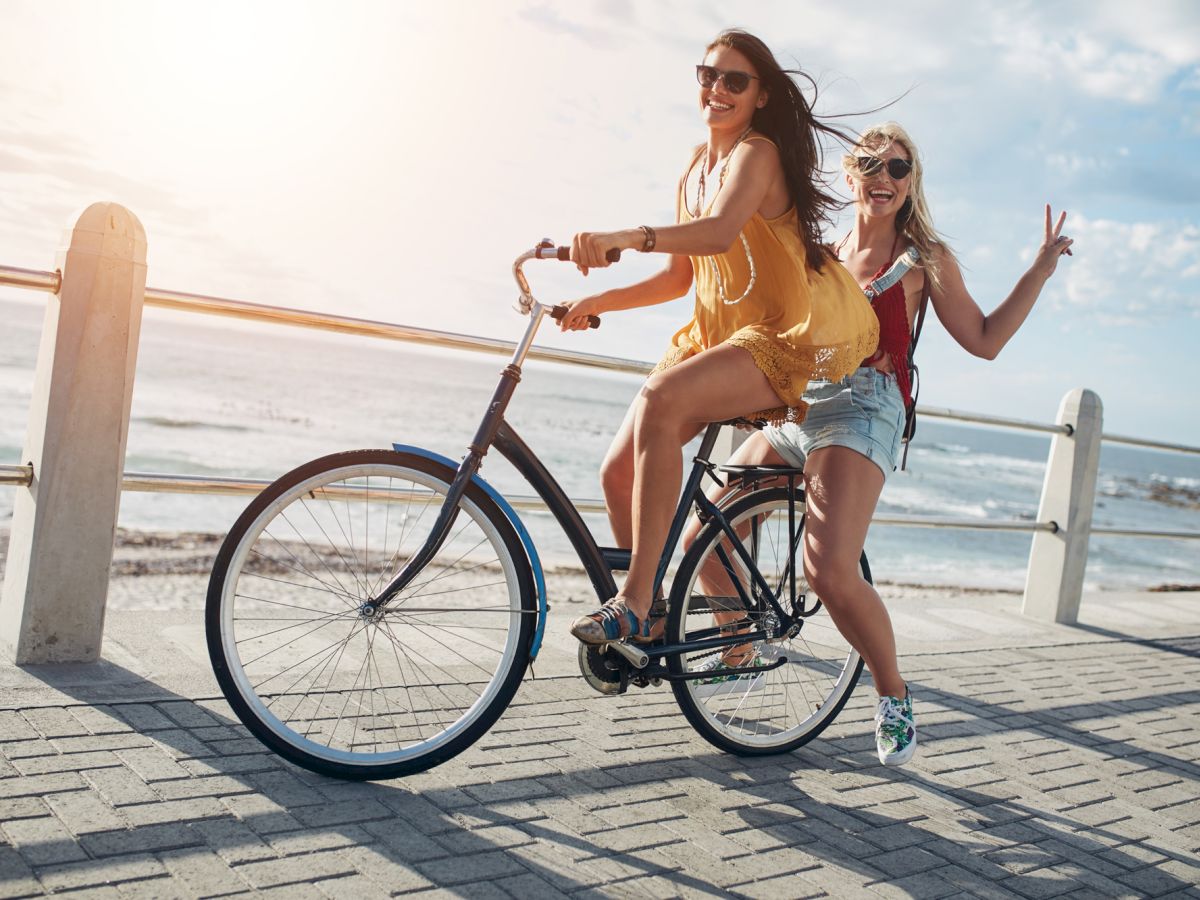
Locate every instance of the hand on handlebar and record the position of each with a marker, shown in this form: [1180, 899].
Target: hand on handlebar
[597, 250]
[580, 314]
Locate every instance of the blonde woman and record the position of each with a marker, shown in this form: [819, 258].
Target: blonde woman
[850, 438]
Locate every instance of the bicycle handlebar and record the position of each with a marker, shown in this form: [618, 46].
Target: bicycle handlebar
[563, 254]
[547, 250]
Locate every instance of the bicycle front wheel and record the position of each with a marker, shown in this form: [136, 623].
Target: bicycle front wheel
[336, 683]
[786, 704]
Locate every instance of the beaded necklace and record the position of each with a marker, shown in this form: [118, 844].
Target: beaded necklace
[700, 192]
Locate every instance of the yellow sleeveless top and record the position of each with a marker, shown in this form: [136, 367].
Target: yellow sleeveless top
[798, 324]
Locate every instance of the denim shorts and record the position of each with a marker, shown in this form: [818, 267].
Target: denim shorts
[863, 411]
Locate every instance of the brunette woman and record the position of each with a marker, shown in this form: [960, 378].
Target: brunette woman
[773, 310]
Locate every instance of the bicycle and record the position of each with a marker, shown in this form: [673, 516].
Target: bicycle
[371, 613]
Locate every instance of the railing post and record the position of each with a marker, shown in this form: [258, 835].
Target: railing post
[1057, 560]
[64, 523]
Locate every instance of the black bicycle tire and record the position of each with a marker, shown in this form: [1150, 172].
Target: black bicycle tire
[678, 609]
[216, 647]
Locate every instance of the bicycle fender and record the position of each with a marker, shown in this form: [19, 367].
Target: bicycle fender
[535, 562]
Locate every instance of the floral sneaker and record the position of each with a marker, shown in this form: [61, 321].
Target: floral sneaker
[724, 684]
[895, 731]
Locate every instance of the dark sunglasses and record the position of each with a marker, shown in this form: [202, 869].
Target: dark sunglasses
[897, 168]
[735, 82]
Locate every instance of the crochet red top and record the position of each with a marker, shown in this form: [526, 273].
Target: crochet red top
[895, 333]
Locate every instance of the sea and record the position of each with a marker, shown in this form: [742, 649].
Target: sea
[219, 398]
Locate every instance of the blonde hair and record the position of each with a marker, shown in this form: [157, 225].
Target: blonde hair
[917, 226]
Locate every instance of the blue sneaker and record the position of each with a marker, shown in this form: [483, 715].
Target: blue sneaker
[895, 731]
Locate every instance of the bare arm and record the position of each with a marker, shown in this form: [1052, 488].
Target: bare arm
[985, 336]
[673, 281]
[753, 170]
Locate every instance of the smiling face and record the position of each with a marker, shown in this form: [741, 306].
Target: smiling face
[722, 109]
[878, 193]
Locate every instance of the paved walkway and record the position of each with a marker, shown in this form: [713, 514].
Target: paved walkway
[1070, 768]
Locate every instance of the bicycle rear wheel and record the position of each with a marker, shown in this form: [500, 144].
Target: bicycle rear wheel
[781, 708]
[326, 678]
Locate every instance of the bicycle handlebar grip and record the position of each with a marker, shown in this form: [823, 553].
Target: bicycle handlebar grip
[557, 312]
[614, 255]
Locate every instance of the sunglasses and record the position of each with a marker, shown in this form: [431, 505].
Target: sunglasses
[871, 165]
[735, 82]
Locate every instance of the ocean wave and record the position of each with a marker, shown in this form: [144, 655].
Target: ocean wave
[168, 422]
[947, 448]
[1168, 490]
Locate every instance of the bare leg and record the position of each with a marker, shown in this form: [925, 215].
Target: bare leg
[713, 580]
[616, 479]
[717, 384]
[843, 488]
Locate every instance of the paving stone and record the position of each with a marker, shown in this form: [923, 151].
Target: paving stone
[279, 872]
[85, 813]
[89, 873]
[233, 841]
[300, 843]
[23, 808]
[42, 842]
[326, 814]
[16, 877]
[52, 722]
[66, 762]
[352, 887]
[120, 786]
[174, 811]
[150, 838]
[203, 873]
[151, 764]
[469, 869]
[142, 717]
[386, 868]
[99, 719]
[532, 887]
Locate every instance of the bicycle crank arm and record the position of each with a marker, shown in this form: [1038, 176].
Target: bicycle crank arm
[635, 656]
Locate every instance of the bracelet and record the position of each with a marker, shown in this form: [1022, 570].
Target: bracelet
[649, 238]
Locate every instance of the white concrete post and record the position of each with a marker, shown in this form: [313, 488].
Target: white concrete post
[1054, 581]
[64, 523]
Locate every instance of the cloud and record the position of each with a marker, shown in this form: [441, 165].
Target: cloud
[1097, 67]
[1132, 272]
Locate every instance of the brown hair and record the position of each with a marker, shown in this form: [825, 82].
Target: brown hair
[788, 120]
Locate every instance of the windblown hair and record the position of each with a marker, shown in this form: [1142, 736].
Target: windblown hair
[788, 120]
[913, 221]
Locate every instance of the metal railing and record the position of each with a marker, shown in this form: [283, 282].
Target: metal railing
[16, 475]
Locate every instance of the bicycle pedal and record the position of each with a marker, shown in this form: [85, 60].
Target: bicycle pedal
[635, 656]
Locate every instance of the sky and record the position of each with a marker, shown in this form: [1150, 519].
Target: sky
[389, 160]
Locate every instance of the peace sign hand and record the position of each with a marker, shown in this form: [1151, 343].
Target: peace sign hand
[1054, 245]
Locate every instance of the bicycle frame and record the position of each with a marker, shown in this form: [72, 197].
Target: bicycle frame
[598, 563]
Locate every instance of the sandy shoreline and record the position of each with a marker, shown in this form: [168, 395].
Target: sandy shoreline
[192, 553]
[164, 570]
[180, 562]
